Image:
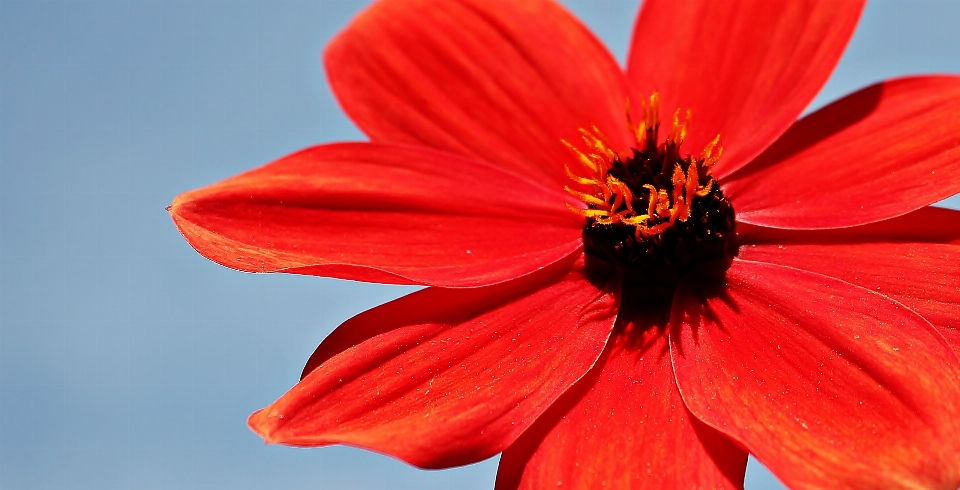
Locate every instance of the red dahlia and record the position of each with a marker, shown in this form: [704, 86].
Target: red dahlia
[606, 306]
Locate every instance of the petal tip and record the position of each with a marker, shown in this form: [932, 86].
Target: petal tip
[179, 208]
[265, 425]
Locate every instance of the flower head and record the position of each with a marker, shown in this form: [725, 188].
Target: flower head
[608, 302]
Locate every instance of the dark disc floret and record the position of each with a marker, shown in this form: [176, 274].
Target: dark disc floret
[706, 236]
[655, 215]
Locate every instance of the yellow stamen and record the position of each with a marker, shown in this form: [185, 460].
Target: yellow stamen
[586, 198]
[589, 213]
[678, 132]
[652, 206]
[579, 180]
[584, 159]
[708, 156]
[650, 119]
[704, 190]
[610, 200]
[663, 204]
[627, 197]
[652, 112]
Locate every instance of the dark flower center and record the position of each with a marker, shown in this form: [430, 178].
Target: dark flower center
[652, 214]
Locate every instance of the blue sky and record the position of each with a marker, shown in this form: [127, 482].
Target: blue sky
[126, 359]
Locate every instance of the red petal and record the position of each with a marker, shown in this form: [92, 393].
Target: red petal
[826, 383]
[927, 225]
[498, 79]
[626, 428]
[922, 276]
[881, 152]
[380, 213]
[901, 266]
[745, 69]
[446, 377]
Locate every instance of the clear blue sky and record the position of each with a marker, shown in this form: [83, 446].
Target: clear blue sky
[127, 361]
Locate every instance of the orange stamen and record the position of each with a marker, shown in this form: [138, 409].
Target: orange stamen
[610, 200]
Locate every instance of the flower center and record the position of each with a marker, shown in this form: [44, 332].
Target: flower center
[652, 213]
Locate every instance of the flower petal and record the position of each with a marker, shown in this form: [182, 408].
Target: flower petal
[826, 383]
[926, 225]
[381, 213]
[881, 152]
[498, 79]
[625, 427]
[910, 268]
[446, 377]
[745, 69]
[923, 276]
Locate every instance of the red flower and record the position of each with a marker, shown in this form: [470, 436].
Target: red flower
[622, 333]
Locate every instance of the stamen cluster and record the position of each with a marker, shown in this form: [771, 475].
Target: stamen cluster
[652, 212]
